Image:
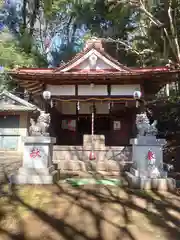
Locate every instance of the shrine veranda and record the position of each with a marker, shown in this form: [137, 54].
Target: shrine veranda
[92, 83]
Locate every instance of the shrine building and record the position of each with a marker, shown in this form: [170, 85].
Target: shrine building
[92, 82]
[14, 121]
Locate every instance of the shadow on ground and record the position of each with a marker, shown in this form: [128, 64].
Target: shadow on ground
[92, 212]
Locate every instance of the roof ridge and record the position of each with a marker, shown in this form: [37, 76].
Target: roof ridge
[19, 100]
[72, 59]
[85, 51]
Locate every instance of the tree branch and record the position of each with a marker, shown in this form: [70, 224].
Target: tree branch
[172, 42]
[128, 47]
[175, 38]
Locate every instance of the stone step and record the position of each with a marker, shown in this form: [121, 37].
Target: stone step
[89, 174]
[72, 165]
[81, 153]
[33, 171]
[10, 155]
[35, 179]
[98, 166]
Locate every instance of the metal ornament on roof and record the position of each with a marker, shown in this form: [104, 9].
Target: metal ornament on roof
[92, 60]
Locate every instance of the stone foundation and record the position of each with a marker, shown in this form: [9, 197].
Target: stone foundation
[75, 159]
[147, 171]
[158, 184]
[109, 160]
[37, 166]
[36, 176]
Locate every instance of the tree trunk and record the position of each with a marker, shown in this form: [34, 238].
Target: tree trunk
[34, 15]
[24, 13]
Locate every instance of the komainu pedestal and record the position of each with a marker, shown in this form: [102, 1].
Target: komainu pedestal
[37, 165]
[147, 170]
[147, 156]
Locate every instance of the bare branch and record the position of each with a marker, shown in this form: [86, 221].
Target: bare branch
[151, 17]
[173, 42]
[128, 47]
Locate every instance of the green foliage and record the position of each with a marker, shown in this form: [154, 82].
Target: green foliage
[14, 56]
[48, 7]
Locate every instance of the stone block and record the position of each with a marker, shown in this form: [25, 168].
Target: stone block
[61, 153]
[35, 179]
[134, 172]
[101, 166]
[147, 140]
[39, 139]
[58, 156]
[71, 165]
[33, 171]
[98, 140]
[159, 184]
[113, 166]
[37, 167]
[125, 166]
[164, 184]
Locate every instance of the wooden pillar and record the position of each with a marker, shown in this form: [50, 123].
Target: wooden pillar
[110, 112]
[77, 120]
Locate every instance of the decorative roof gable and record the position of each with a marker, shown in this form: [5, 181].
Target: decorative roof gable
[93, 58]
[10, 102]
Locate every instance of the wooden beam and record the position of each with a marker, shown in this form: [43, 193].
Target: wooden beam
[27, 84]
[40, 86]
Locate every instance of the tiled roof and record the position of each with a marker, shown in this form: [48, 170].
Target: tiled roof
[85, 51]
[18, 105]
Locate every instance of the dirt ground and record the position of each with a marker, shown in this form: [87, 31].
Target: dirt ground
[89, 212]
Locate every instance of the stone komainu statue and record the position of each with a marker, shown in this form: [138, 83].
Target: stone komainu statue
[41, 126]
[144, 127]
